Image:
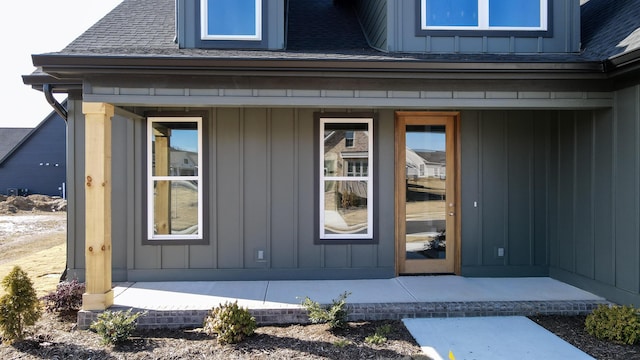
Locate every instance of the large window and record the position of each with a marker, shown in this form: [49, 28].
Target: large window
[231, 19]
[174, 164]
[484, 15]
[346, 182]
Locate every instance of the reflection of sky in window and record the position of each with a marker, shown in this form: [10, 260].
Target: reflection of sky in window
[426, 141]
[231, 17]
[452, 13]
[525, 13]
[184, 140]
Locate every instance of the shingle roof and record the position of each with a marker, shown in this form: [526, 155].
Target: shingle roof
[324, 25]
[147, 28]
[610, 27]
[10, 138]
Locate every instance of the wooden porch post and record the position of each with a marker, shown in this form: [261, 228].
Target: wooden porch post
[98, 295]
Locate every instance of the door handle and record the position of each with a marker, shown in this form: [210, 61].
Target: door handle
[451, 213]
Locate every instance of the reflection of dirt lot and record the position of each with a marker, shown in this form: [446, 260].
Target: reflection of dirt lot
[183, 207]
[428, 185]
[426, 210]
[356, 216]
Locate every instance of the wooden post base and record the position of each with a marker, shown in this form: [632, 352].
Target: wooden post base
[97, 301]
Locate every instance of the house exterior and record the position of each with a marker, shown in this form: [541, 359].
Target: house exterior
[531, 119]
[33, 160]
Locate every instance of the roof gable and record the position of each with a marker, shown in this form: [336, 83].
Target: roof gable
[10, 138]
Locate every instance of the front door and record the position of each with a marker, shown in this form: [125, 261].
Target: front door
[426, 196]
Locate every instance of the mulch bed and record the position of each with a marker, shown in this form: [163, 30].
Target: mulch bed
[56, 338]
[571, 329]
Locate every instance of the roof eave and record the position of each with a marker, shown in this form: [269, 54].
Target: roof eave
[76, 66]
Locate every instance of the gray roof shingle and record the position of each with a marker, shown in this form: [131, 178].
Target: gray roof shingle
[10, 138]
[610, 27]
[147, 28]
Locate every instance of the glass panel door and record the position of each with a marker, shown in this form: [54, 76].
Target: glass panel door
[425, 191]
[425, 183]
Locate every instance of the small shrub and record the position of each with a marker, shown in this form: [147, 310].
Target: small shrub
[115, 327]
[620, 324]
[230, 322]
[380, 336]
[66, 298]
[19, 306]
[341, 343]
[335, 314]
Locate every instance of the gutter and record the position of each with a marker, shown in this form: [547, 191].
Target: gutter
[62, 66]
[48, 94]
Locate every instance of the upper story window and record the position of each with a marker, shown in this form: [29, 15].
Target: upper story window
[231, 19]
[484, 15]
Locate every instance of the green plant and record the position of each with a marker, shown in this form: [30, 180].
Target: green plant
[116, 327]
[380, 336]
[340, 343]
[335, 314]
[230, 322]
[66, 298]
[19, 307]
[620, 324]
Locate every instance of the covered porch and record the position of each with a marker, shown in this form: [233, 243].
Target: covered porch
[184, 304]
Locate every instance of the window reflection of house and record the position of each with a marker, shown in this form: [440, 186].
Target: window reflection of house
[183, 163]
[426, 164]
[346, 154]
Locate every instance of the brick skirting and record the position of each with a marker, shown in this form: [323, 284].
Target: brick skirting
[359, 312]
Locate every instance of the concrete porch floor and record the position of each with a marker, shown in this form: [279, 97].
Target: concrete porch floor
[185, 304]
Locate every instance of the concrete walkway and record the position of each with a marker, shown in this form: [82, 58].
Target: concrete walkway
[495, 338]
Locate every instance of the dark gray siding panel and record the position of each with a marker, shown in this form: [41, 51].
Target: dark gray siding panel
[283, 189]
[373, 17]
[471, 212]
[385, 250]
[120, 157]
[228, 187]
[309, 255]
[505, 170]
[541, 186]
[494, 182]
[75, 191]
[583, 225]
[626, 189]
[566, 181]
[606, 200]
[603, 215]
[256, 198]
[520, 177]
[563, 37]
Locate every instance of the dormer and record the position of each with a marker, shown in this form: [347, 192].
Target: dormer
[230, 24]
[472, 26]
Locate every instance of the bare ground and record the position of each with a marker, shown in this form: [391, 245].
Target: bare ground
[35, 241]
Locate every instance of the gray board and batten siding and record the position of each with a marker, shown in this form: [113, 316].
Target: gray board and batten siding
[260, 197]
[393, 26]
[595, 236]
[558, 189]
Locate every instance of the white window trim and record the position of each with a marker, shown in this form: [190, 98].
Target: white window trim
[483, 19]
[368, 178]
[151, 178]
[204, 22]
